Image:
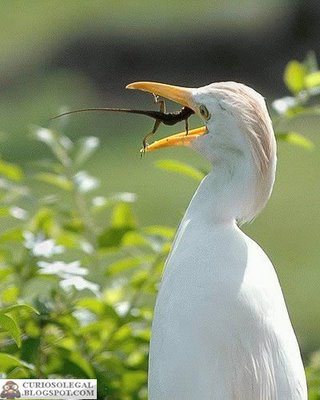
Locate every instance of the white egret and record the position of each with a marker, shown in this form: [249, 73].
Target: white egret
[221, 329]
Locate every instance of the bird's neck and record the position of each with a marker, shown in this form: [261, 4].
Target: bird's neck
[227, 194]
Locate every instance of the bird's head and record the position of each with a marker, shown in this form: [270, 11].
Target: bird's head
[237, 135]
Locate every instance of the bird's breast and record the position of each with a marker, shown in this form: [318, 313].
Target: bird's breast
[205, 260]
[219, 306]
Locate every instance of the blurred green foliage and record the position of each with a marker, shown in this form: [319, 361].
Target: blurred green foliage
[86, 266]
[79, 275]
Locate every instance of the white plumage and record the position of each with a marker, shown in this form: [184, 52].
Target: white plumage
[221, 330]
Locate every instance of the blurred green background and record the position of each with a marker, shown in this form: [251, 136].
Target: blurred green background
[57, 55]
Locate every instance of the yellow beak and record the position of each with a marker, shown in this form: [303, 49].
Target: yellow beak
[181, 95]
[178, 139]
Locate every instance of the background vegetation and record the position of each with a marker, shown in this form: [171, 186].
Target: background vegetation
[86, 224]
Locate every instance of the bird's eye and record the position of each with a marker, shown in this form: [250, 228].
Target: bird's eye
[204, 111]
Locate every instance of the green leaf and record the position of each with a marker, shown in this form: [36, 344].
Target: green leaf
[294, 76]
[159, 230]
[123, 265]
[77, 359]
[74, 364]
[122, 216]
[4, 212]
[7, 362]
[30, 348]
[19, 307]
[112, 237]
[5, 272]
[296, 139]
[143, 334]
[113, 295]
[9, 294]
[122, 221]
[14, 234]
[9, 325]
[135, 239]
[92, 304]
[133, 380]
[312, 80]
[11, 171]
[139, 278]
[59, 181]
[180, 168]
[123, 333]
[43, 221]
[135, 359]
[70, 239]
